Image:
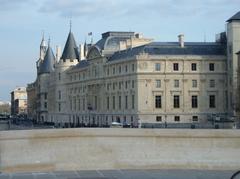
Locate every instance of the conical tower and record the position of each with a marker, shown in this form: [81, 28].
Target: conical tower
[47, 65]
[70, 51]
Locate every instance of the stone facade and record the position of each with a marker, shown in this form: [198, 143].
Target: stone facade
[130, 79]
[31, 101]
[19, 101]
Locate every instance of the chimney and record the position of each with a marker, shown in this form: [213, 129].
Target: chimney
[138, 35]
[81, 52]
[58, 53]
[122, 45]
[181, 40]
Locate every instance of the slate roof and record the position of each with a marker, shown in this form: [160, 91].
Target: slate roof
[43, 43]
[70, 50]
[46, 65]
[81, 64]
[235, 17]
[172, 48]
[110, 40]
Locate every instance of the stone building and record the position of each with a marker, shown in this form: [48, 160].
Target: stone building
[19, 101]
[127, 78]
[31, 101]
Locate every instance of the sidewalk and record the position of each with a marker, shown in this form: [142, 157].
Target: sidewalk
[124, 174]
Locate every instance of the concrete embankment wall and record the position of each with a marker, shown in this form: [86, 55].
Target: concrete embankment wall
[4, 125]
[91, 149]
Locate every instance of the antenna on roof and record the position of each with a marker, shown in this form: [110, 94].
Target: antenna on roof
[43, 34]
[70, 22]
[49, 41]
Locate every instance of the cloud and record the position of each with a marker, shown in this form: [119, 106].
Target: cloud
[71, 8]
[117, 8]
[104, 8]
[7, 5]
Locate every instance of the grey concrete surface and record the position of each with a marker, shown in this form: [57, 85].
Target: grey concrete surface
[124, 174]
[114, 148]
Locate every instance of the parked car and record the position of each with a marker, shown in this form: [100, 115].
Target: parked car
[116, 125]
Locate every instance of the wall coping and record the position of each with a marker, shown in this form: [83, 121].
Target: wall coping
[118, 132]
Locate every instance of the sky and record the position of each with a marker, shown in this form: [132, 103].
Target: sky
[22, 23]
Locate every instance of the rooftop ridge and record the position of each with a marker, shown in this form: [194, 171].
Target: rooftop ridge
[235, 17]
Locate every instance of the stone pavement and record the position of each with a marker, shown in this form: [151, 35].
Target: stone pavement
[124, 174]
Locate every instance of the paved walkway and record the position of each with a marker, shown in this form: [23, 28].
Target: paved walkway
[124, 174]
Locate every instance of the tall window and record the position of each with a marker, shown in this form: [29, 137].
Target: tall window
[132, 83]
[79, 104]
[119, 69]
[212, 83]
[157, 66]
[126, 84]
[194, 83]
[74, 104]
[176, 83]
[95, 101]
[158, 102]
[59, 76]
[133, 67]
[119, 85]
[175, 67]
[59, 107]
[158, 83]
[126, 102]
[176, 101]
[211, 66]
[133, 101]
[84, 106]
[108, 102]
[45, 105]
[194, 101]
[194, 67]
[212, 102]
[59, 95]
[113, 102]
[71, 104]
[119, 102]
[107, 71]
[126, 68]
[113, 70]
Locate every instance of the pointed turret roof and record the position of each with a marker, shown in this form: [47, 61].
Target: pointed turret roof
[43, 43]
[46, 65]
[70, 50]
[235, 17]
